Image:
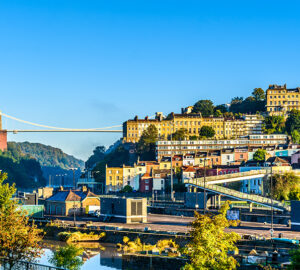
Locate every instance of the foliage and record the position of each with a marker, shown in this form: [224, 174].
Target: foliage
[18, 238]
[71, 237]
[127, 189]
[207, 132]
[115, 158]
[146, 144]
[286, 186]
[47, 155]
[23, 169]
[98, 155]
[218, 113]
[252, 104]
[205, 107]
[193, 138]
[221, 108]
[210, 244]
[273, 124]
[260, 155]
[68, 257]
[180, 134]
[295, 259]
[296, 136]
[133, 246]
[293, 122]
[259, 94]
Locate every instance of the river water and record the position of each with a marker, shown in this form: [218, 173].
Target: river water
[96, 256]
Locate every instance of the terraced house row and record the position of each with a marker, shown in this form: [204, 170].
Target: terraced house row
[146, 176]
[224, 127]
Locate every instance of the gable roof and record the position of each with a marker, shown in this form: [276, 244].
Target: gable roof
[70, 195]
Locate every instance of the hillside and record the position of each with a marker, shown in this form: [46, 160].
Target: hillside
[48, 156]
[23, 170]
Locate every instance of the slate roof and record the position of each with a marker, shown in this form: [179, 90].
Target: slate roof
[70, 195]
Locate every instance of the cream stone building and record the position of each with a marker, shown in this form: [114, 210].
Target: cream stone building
[280, 100]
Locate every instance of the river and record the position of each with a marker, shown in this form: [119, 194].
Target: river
[102, 256]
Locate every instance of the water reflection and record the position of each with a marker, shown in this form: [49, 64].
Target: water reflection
[96, 256]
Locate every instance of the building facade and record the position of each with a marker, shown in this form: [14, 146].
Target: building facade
[167, 148]
[280, 100]
[192, 123]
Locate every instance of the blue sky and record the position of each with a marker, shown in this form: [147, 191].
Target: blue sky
[86, 64]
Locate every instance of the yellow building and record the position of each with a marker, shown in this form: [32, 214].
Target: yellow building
[280, 100]
[224, 128]
[114, 178]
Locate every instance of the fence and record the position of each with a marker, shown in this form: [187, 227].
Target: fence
[22, 265]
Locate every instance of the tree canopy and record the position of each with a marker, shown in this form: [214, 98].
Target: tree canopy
[273, 124]
[205, 107]
[19, 240]
[210, 244]
[286, 186]
[98, 155]
[293, 122]
[207, 132]
[260, 155]
[180, 134]
[68, 257]
[146, 144]
[259, 94]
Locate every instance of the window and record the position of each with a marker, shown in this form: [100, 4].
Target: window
[146, 187]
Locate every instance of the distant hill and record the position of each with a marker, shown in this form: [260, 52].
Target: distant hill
[48, 156]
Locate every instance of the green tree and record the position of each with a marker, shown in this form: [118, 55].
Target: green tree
[210, 244]
[205, 107]
[293, 122]
[295, 259]
[146, 144]
[207, 132]
[98, 155]
[273, 124]
[286, 186]
[180, 134]
[19, 240]
[127, 188]
[67, 257]
[259, 94]
[260, 155]
[221, 108]
[217, 113]
[296, 136]
[193, 138]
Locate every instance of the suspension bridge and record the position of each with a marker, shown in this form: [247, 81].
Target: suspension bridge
[47, 128]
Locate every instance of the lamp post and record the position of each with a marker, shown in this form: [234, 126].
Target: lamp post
[204, 190]
[172, 195]
[271, 191]
[74, 184]
[74, 212]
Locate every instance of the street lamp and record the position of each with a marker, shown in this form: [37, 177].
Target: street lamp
[271, 191]
[74, 185]
[74, 212]
[204, 190]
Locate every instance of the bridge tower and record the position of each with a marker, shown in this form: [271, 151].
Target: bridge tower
[3, 136]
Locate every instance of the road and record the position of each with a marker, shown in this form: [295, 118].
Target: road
[181, 224]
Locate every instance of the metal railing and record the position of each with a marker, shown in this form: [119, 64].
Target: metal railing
[240, 195]
[23, 265]
[232, 175]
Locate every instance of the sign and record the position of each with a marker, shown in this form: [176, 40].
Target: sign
[233, 214]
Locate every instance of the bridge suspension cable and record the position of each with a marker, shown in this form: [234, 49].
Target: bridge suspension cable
[56, 128]
[59, 129]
